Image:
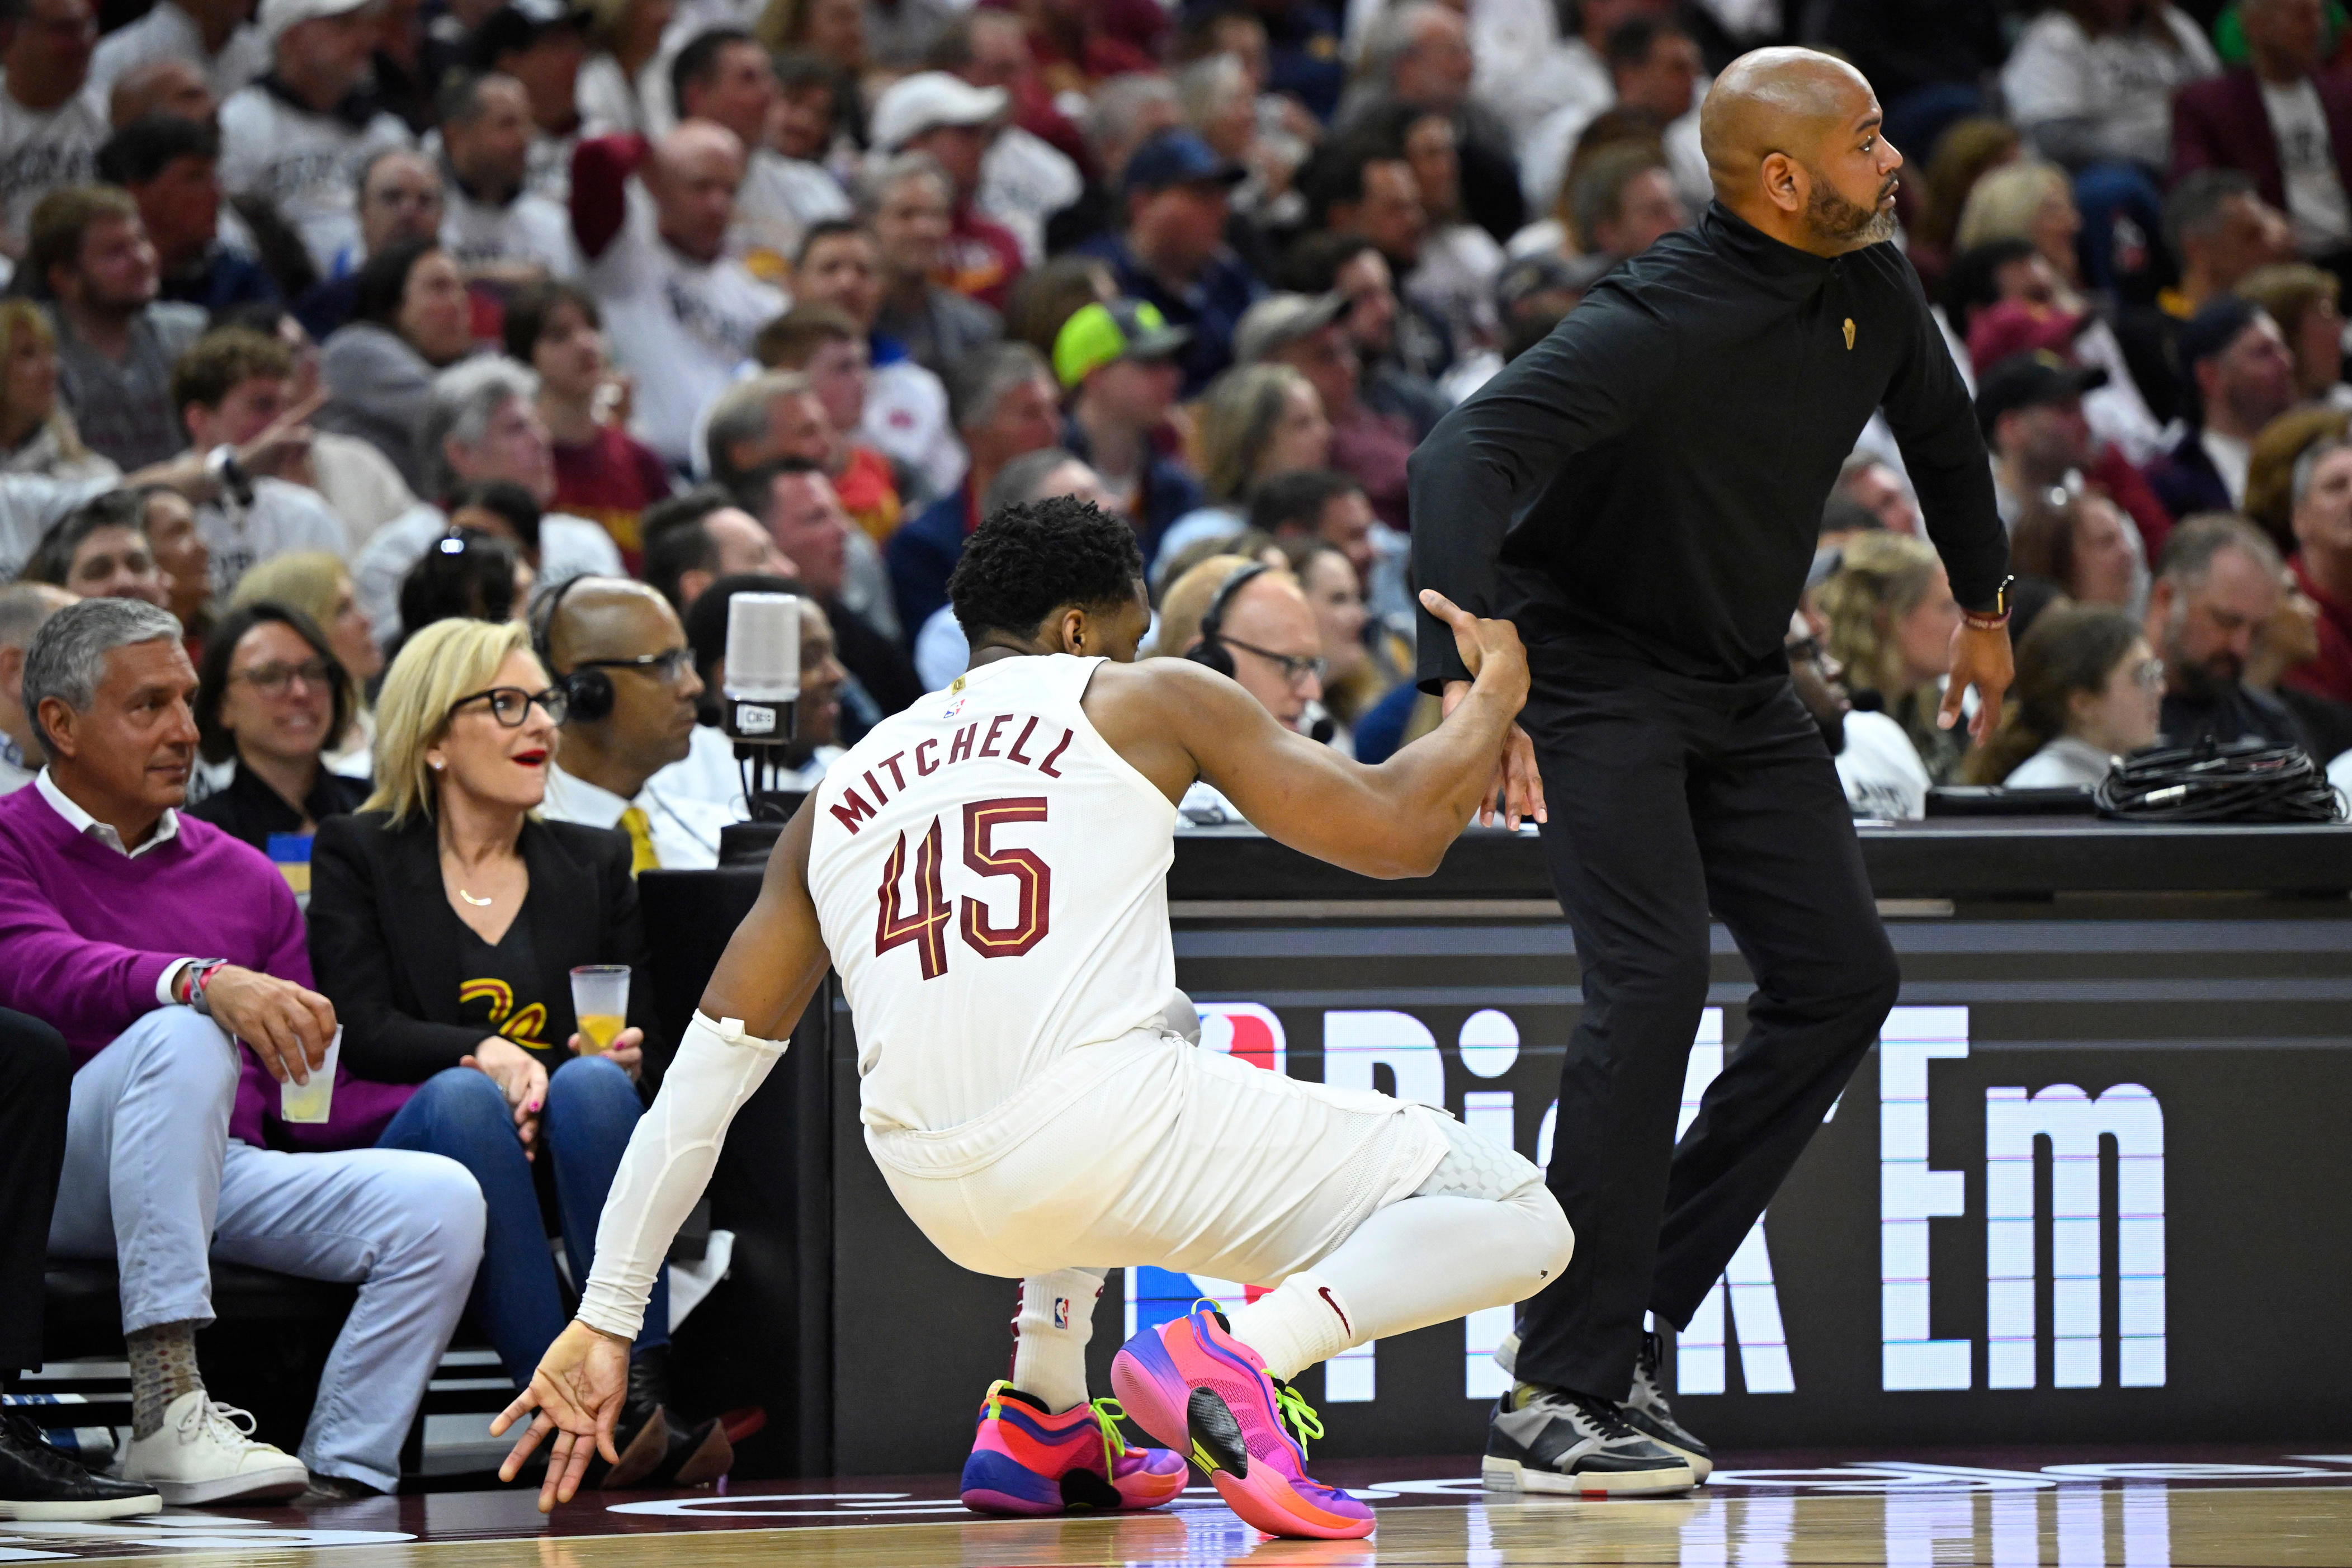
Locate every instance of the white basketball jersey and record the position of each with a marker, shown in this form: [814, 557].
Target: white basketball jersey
[991, 878]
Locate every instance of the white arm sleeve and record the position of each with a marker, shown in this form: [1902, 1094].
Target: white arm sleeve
[669, 1160]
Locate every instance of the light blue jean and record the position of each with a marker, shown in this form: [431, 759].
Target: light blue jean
[150, 1173]
[592, 1109]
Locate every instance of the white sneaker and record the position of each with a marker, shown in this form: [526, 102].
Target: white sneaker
[204, 1452]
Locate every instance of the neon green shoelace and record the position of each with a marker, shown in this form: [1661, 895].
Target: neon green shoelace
[1299, 1415]
[1108, 1414]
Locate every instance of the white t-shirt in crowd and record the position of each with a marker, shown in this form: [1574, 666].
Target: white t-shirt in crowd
[2314, 189]
[2119, 85]
[568, 547]
[682, 327]
[684, 831]
[168, 32]
[282, 518]
[359, 484]
[779, 199]
[1025, 180]
[32, 504]
[548, 170]
[41, 150]
[2231, 459]
[529, 231]
[1881, 770]
[906, 422]
[306, 164]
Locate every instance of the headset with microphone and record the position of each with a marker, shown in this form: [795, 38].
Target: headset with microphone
[1211, 650]
[588, 692]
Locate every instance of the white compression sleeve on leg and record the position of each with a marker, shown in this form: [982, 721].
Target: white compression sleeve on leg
[1050, 1332]
[669, 1160]
[1482, 1230]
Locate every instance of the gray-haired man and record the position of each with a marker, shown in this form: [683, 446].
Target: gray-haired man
[152, 942]
[24, 608]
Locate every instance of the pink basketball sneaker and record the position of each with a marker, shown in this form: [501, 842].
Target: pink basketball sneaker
[1191, 1386]
[1024, 1461]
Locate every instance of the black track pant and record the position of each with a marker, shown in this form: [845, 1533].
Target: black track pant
[36, 1082]
[1668, 797]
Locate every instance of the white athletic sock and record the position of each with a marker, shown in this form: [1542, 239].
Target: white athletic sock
[1050, 1331]
[1300, 1322]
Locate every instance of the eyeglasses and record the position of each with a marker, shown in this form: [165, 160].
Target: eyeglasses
[273, 680]
[1295, 668]
[2149, 673]
[510, 705]
[670, 665]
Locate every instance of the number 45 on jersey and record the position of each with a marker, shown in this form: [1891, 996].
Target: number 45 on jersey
[924, 923]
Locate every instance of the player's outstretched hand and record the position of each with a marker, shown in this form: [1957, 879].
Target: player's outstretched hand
[577, 1392]
[1516, 788]
[1981, 658]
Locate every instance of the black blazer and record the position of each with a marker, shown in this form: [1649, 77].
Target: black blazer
[249, 809]
[385, 941]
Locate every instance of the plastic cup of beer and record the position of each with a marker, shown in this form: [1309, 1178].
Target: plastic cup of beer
[313, 1101]
[599, 1000]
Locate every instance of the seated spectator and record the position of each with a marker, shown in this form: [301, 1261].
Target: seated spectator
[1454, 279]
[1005, 404]
[2279, 118]
[1171, 248]
[1965, 152]
[1118, 363]
[724, 77]
[496, 228]
[1048, 296]
[1622, 202]
[827, 349]
[1876, 488]
[1218, 96]
[182, 556]
[479, 423]
[808, 524]
[2242, 376]
[318, 586]
[543, 49]
[37, 432]
[2270, 475]
[1369, 445]
[2032, 201]
[1296, 46]
[115, 343]
[710, 771]
[1363, 187]
[1362, 660]
[957, 126]
[168, 87]
[681, 312]
[170, 942]
[2083, 544]
[814, 102]
[229, 387]
[25, 609]
[909, 203]
[217, 36]
[601, 472]
[1258, 421]
[905, 416]
[358, 482]
[616, 649]
[469, 574]
[2289, 640]
[53, 115]
[271, 698]
[169, 166]
[411, 319]
[2218, 230]
[2031, 408]
[1122, 114]
[101, 552]
[2303, 301]
[1891, 616]
[400, 198]
[1878, 766]
[1655, 71]
[2092, 84]
[295, 139]
[693, 540]
[1320, 504]
[2322, 565]
[443, 916]
[2217, 585]
[1418, 53]
[1251, 621]
[1400, 350]
[2086, 696]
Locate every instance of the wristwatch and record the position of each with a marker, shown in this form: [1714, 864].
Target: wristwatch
[198, 977]
[221, 467]
[1991, 620]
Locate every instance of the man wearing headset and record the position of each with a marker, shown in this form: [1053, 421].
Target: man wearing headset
[616, 649]
[1259, 629]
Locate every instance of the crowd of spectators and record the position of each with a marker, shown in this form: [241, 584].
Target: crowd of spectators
[394, 398]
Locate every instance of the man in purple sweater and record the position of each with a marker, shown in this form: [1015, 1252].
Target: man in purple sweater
[148, 940]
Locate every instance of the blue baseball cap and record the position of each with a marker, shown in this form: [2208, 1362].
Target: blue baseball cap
[1177, 157]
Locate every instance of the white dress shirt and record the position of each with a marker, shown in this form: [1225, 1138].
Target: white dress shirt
[685, 830]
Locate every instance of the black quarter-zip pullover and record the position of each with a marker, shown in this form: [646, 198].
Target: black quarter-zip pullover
[1646, 484]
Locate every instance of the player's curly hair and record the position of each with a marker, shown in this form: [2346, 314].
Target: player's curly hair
[1032, 557]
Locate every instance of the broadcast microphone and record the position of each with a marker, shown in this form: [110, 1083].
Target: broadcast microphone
[762, 691]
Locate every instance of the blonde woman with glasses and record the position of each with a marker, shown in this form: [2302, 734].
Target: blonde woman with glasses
[445, 917]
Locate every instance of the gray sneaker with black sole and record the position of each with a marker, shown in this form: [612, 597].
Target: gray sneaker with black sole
[1551, 1440]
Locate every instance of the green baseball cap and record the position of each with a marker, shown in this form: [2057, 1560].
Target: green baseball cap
[1124, 329]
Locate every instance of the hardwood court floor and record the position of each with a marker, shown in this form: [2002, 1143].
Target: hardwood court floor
[2013, 1509]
